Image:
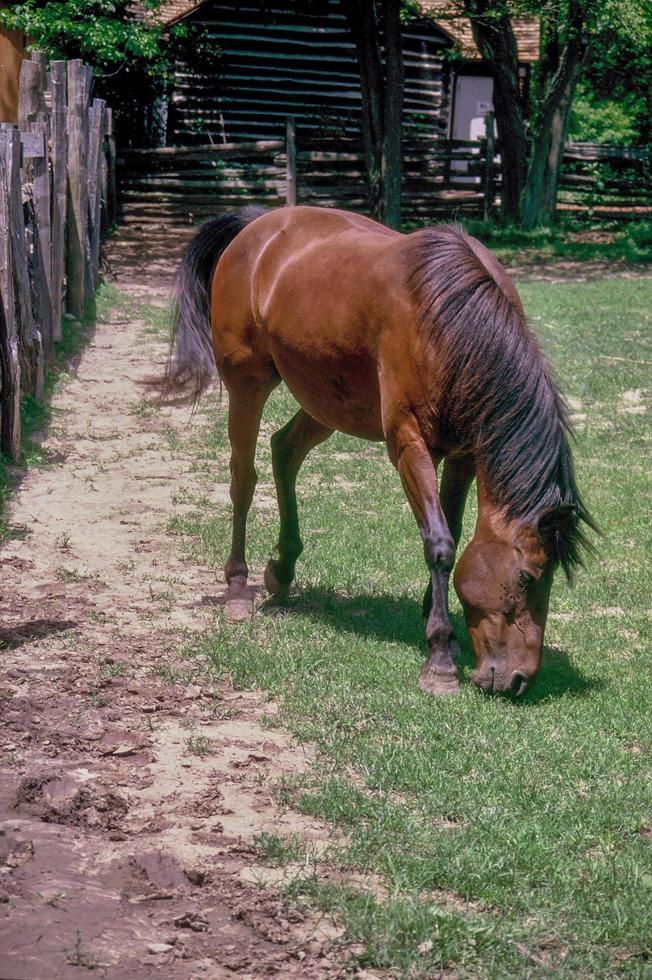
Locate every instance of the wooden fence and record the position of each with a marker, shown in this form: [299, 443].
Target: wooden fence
[441, 178]
[57, 174]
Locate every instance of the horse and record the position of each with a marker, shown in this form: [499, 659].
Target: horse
[419, 340]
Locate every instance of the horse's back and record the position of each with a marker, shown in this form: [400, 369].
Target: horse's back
[312, 291]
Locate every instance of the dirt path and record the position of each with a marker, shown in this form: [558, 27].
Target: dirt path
[131, 790]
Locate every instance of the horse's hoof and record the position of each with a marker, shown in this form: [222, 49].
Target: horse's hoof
[272, 583]
[436, 684]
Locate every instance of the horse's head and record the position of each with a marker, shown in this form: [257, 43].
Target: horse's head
[503, 580]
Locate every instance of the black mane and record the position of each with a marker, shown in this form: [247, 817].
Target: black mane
[498, 397]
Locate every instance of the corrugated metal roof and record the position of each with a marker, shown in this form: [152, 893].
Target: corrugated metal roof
[444, 13]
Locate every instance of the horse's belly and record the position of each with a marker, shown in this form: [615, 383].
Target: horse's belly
[339, 389]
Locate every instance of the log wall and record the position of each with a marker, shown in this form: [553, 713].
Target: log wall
[277, 62]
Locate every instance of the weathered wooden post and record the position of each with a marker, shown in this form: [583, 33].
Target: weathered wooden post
[30, 347]
[9, 358]
[77, 250]
[35, 136]
[109, 185]
[95, 147]
[58, 85]
[291, 160]
[490, 149]
[31, 91]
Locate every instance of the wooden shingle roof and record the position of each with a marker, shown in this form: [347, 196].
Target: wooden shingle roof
[446, 14]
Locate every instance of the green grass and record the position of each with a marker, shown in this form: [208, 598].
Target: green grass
[572, 238]
[512, 838]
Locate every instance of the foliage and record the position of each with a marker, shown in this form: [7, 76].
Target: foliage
[596, 120]
[100, 31]
[571, 30]
[618, 71]
[132, 57]
[509, 839]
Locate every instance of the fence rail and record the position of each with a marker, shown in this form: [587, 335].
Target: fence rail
[56, 179]
[182, 184]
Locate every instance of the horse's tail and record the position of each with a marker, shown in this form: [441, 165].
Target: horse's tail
[191, 363]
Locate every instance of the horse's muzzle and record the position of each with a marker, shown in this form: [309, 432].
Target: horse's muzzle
[493, 680]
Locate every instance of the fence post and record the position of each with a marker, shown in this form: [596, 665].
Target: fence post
[490, 149]
[59, 159]
[9, 359]
[109, 188]
[291, 160]
[95, 146]
[29, 338]
[41, 198]
[77, 251]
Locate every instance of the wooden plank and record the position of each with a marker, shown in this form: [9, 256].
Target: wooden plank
[30, 348]
[488, 190]
[76, 256]
[206, 149]
[291, 161]
[10, 435]
[32, 144]
[109, 177]
[95, 144]
[59, 162]
[39, 291]
[42, 282]
[31, 98]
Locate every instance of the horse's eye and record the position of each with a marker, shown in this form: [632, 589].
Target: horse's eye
[525, 580]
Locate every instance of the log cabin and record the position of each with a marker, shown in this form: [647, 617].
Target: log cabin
[217, 139]
[252, 63]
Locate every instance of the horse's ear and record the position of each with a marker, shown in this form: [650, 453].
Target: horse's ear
[555, 526]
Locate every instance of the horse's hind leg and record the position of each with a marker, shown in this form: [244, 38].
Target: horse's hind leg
[246, 405]
[290, 446]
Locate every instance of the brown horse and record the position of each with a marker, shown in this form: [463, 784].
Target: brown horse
[419, 340]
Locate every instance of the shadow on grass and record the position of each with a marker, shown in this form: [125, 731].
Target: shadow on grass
[397, 619]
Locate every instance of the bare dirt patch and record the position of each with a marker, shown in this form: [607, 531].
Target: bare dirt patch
[131, 787]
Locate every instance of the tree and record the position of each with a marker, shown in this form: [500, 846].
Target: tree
[532, 156]
[131, 56]
[381, 81]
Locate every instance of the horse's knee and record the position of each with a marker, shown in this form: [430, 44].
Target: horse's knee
[439, 551]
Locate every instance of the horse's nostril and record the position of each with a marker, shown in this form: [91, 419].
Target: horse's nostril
[519, 684]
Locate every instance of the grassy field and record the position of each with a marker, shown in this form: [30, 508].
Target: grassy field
[503, 838]
[472, 834]
[570, 240]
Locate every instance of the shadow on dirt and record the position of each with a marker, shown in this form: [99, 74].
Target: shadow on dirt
[34, 629]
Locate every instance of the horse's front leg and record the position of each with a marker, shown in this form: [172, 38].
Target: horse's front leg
[457, 477]
[412, 459]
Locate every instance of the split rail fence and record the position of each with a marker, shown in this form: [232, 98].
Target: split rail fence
[441, 178]
[57, 196]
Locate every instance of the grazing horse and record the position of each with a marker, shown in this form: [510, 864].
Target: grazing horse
[419, 340]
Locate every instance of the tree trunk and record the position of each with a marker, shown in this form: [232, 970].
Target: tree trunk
[496, 42]
[381, 86]
[560, 70]
[392, 158]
